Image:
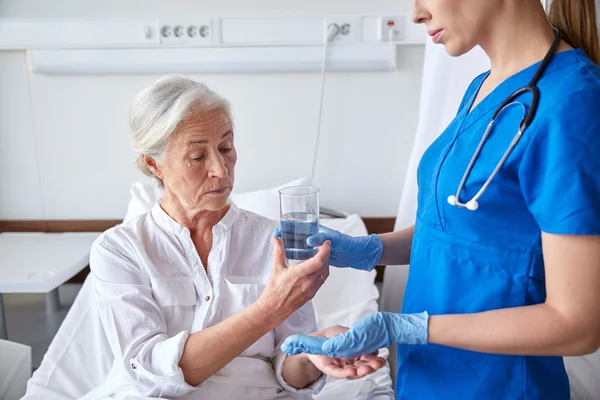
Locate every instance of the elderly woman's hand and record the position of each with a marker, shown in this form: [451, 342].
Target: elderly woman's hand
[289, 288]
[335, 367]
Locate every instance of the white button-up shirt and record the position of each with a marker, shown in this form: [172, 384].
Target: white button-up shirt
[153, 291]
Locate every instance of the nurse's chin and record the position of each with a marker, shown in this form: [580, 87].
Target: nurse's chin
[456, 51]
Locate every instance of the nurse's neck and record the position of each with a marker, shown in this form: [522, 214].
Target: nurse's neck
[519, 37]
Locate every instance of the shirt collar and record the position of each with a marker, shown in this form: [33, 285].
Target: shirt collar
[168, 223]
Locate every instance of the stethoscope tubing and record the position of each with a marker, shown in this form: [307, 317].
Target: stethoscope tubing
[528, 116]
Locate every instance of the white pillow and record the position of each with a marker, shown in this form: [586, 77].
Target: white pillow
[143, 197]
[264, 202]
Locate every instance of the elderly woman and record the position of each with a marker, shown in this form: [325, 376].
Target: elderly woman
[192, 302]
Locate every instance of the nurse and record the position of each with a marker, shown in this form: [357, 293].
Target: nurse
[500, 290]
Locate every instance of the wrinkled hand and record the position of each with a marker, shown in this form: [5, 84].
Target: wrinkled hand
[366, 336]
[342, 368]
[362, 252]
[289, 289]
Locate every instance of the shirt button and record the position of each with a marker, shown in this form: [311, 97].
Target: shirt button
[207, 298]
[133, 365]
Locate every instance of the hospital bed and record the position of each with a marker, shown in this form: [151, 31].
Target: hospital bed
[79, 356]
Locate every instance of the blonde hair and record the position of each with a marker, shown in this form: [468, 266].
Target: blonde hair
[578, 22]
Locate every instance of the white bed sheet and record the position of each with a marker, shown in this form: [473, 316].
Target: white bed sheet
[79, 357]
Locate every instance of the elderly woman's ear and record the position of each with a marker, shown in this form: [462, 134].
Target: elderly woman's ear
[152, 165]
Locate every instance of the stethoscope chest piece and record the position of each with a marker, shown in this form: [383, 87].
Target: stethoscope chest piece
[471, 205]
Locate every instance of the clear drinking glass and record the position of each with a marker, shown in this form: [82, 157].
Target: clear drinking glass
[299, 216]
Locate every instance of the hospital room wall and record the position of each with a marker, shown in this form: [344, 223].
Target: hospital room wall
[80, 123]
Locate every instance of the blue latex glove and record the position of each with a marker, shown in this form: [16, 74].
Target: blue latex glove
[366, 336]
[362, 252]
[297, 344]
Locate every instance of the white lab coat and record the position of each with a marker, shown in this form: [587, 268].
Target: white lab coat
[153, 291]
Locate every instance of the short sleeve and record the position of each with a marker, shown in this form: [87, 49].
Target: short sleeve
[560, 171]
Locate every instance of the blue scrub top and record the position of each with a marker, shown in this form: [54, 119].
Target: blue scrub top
[467, 262]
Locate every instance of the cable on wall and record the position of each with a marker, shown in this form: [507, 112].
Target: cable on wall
[332, 31]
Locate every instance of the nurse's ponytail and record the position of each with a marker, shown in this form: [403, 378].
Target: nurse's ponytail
[577, 21]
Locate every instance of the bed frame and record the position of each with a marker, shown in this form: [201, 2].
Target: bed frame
[374, 225]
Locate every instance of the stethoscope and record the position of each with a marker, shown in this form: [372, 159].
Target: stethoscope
[525, 122]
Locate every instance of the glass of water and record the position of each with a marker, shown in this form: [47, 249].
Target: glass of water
[299, 207]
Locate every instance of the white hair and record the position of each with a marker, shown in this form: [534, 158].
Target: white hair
[159, 108]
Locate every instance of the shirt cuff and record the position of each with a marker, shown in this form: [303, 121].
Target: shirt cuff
[162, 367]
[313, 388]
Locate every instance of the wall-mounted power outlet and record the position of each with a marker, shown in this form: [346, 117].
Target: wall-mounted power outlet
[390, 29]
[185, 32]
[348, 30]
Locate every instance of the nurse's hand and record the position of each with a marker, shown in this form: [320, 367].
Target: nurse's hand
[342, 368]
[289, 289]
[362, 252]
[366, 336]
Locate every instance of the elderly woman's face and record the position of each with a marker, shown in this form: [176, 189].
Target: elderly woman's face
[200, 161]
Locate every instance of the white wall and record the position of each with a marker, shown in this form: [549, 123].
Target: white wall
[81, 122]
